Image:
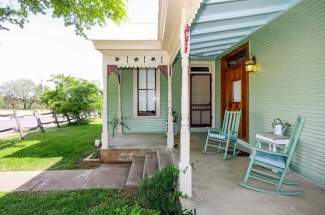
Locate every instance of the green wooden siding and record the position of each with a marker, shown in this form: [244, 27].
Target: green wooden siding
[112, 92]
[177, 88]
[291, 82]
[136, 124]
[143, 124]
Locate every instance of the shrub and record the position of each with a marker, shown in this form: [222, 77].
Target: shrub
[160, 192]
[72, 97]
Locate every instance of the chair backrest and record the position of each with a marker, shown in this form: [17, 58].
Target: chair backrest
[231, 122]
[294, 139]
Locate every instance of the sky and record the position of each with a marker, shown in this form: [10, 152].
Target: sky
[45, 46]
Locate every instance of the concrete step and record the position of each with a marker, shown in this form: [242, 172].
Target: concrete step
[164, 158]
[136, 172]
[113, 155]
[150, 164]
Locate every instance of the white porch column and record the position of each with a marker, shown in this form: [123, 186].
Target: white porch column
[104, 111]
[119, 108]
[185, 178]
[170, 134]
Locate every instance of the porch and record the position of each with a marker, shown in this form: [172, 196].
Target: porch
[216, 187]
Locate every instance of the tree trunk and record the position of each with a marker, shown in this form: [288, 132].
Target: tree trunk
[30, 105]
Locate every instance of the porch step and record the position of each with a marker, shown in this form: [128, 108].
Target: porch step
[164, 158]
[136, 172]
[150, 164]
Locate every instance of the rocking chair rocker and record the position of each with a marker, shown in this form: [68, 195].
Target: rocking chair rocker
[274, 161]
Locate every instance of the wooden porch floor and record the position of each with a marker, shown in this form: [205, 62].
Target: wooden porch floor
[138, 141]
[123, 147]
[216, 188]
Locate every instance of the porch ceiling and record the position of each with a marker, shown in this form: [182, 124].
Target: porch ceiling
[221, 24]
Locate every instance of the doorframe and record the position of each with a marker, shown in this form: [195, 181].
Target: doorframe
[210, 76]
[212, 71]
[245, 79]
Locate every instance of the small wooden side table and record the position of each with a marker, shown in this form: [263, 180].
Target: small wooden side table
[272, 140]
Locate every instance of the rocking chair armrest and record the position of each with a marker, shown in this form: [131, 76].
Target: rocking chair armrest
[269, 152]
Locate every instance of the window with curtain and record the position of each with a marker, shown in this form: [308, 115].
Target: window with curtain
[146, 92]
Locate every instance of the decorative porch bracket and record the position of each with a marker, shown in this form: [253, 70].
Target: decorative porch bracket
[164, 69]
[113, 69]
[185, 178]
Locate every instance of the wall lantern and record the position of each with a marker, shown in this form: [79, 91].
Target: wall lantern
[250, 64]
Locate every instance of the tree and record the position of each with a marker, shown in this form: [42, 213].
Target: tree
[72, 97]
[20, 90]
[82, 15]
[2, 103]
[38, 90]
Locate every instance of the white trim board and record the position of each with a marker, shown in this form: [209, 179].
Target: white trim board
[212, 71]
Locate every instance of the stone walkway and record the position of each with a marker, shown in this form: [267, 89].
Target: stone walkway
[105, 176]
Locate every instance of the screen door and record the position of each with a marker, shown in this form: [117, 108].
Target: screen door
[200, 99]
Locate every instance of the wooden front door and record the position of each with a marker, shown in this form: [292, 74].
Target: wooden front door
[200, 99]
[234, 86]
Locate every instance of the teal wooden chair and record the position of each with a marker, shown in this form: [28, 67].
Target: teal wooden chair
[275, 165]
[226, 139]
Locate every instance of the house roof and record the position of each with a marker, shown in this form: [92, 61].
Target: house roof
[168, 42]
[216, 26]
[221, 24]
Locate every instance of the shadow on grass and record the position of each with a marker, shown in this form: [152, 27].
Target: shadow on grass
[69, 144]
[9, 143]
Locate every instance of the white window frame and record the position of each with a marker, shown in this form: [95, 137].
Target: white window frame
[135, 94]
[212, 69]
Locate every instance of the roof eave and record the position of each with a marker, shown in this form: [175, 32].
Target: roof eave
[127, 44]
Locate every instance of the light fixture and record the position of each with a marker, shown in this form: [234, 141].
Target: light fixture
[250, 64]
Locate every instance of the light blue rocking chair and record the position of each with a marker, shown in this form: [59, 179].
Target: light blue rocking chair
[277, 163]
[226, 139]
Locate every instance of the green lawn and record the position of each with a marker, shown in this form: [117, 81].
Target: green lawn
[57, 148]
[61, 148]
[92, 201]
